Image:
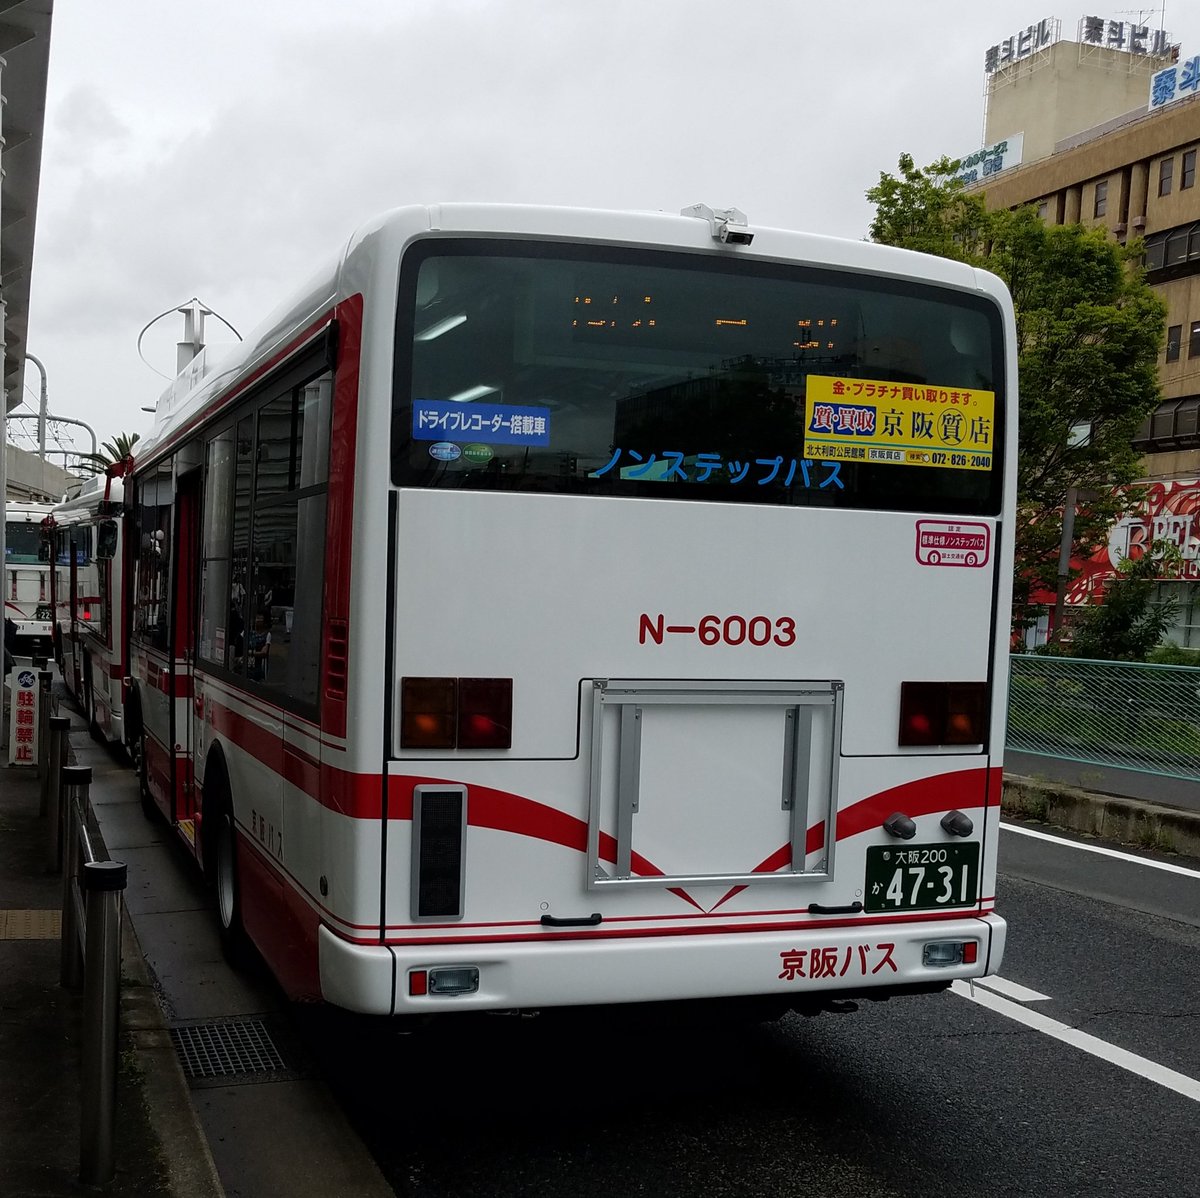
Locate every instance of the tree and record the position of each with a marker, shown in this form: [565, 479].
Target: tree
[1127, 625]
[1089, 330]
[111, 452]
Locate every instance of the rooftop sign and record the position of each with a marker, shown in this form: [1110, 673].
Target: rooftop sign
[1093, 31]
[1172, 83]
[1124, 35]
[1022, 44]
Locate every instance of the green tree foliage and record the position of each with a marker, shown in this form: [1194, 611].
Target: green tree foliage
[111, 452]
[1089, 331]
[1127, 626]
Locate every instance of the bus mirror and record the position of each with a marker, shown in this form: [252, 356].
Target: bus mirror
[106, 539]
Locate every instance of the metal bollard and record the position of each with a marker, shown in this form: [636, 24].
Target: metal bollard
[76, 784]
[103, 883]
[45, 678]
[59, 732]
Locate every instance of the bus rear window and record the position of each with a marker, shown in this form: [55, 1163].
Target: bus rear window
[23, 543]
[594, 370]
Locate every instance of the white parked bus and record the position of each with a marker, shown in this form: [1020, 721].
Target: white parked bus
[89, 599]
[550, 607]
[27, 576]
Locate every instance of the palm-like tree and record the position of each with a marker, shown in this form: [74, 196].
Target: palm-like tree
[110, 453]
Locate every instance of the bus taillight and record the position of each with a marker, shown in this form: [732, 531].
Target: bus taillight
[485, 713]
[942, 713]
[456, 713]
[427, 713]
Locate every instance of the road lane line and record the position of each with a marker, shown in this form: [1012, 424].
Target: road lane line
[1012, 989]
[1152, 1071]
[1094, 848]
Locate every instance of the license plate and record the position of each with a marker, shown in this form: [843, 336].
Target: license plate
[919, 877]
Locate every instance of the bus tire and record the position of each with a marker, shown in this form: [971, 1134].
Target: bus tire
[135, 745]
[221, 852]
[88, 702]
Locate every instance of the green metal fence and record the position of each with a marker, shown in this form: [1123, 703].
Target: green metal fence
[1115, 713]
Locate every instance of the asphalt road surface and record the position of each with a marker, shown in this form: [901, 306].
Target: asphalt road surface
[1079, 1074]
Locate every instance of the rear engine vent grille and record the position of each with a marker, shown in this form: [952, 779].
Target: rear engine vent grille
[439, 830]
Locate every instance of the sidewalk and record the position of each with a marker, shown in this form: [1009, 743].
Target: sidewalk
[160, 1149]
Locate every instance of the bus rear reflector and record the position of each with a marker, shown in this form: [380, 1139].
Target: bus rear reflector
[939, 954]
[942, 713]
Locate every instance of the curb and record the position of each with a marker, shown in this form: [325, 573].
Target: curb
[1129, 821]
[191, 1170]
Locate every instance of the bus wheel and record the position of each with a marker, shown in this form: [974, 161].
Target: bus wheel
[223, 846]
[137, 754]
[89, 701]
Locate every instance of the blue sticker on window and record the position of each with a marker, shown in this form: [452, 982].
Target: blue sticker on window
[491, 424]
[445, 451]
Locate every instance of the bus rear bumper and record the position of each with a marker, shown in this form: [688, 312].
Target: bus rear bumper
[565, 970]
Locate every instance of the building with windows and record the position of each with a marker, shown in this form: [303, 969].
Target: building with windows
[1134, 174]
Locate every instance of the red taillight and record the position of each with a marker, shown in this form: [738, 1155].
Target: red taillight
[427, 713]
[418, 982]
[456, 713]
[970, 952]
[485, 713]
[942, 713]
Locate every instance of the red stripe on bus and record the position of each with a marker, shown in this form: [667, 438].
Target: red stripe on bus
[866, 925]
[923, 796]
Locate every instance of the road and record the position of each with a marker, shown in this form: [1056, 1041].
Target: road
[951, 1095]
[1084, 1080]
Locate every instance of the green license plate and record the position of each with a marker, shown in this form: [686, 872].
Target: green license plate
[922, 877]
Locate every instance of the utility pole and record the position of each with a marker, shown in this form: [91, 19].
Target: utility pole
[41, 405]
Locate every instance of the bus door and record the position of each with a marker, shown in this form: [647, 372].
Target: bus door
[183, 632]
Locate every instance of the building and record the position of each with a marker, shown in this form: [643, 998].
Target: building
[1132, 172]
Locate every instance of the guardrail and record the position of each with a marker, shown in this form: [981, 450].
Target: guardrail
[91, 949]
[1109, 713]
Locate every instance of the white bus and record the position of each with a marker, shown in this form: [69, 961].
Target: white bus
[89, 602]
[27, 576]
[550, 607]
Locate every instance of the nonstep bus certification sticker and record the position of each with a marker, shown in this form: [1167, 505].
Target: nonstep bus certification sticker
[953, 543]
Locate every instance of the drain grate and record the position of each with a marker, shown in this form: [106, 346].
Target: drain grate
[226, 1049]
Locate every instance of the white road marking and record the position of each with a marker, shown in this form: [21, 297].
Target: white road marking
[1152, 1071]
[1012, 989]
[1095, 848]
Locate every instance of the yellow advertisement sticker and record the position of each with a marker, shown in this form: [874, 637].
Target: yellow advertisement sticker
[900, 424]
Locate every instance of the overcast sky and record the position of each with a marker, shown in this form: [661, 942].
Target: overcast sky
[222, 149]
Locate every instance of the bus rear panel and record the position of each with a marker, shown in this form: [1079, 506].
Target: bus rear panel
[693, 685]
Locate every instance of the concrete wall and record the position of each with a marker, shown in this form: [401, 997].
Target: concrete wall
[31, 478]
